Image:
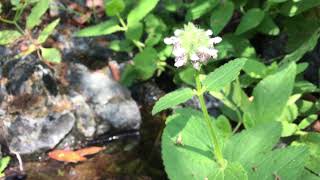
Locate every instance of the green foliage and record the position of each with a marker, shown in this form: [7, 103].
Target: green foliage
[47, 31]
[141, 10]
[271, 96]
[199, 8]
[221, 15]
[114, 7]
[8, 36]
[293, 8]
[186, 150]
[51, 55]
[37, 11]
[104, 28]
[4, 162]
[254, 151]
[250, 20]
[222, 76]
[172, 99]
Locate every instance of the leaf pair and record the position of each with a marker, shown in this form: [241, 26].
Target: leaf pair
[214, 81]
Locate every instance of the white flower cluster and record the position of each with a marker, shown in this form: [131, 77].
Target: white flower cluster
[193, 45]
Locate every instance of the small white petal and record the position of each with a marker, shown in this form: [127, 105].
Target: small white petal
[178, 52]
[212, 52]
[215, 40]
[196, 65]
[168, 41]
[202, 49]
[209, 32]
[194, 57]
[180, 61]
[177, 32]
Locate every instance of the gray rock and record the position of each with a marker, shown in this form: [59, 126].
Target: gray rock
[111, 103]
[38, 114]
[86, 123]
[28, 135]
[121, 115]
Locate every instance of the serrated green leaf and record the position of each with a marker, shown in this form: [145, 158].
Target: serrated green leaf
[254, 68]
[236, 46]
[307, 121]
[268, 26]
[128, 75]
[172, 99]
[301, 67]
[146, 63]
[224, 75]
[200, 8]
[186, 150]
[51, 55]
[155, 27]
[134, 31]
[271, 96]
[312, 140]
[233, 171]
[306, 107]
[307, 175]
[142, 9]
[47, 31]
[286, 163]
[288, 129]
[250, 20]
[3, 164]
[292, 8]
[245, 146]
[37, 12]
[104, 28]
[304, 87]
[8, 36]
[290, 113]
[114, 7]
[221, 15]
[222, 123]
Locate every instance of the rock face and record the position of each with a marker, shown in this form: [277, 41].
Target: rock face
[28, 135]
[109, 101]
[38, 112]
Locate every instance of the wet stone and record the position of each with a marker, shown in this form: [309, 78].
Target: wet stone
[27, 135]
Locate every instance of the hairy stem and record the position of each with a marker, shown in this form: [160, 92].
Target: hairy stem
[214, 138]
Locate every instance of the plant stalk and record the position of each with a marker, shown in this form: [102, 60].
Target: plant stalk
[214, 138]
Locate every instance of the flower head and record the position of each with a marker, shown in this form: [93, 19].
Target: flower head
[193, 45]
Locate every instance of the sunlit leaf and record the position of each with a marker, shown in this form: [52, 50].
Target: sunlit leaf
[47, 31]
[221, 15]
[37, 12]
[250, 20]
[8, 36]
[224, 75]
[172, 99]
[114, 7]
[51, 55]
[104, 28]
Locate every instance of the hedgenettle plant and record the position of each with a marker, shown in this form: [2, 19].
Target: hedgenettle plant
[198, 146]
